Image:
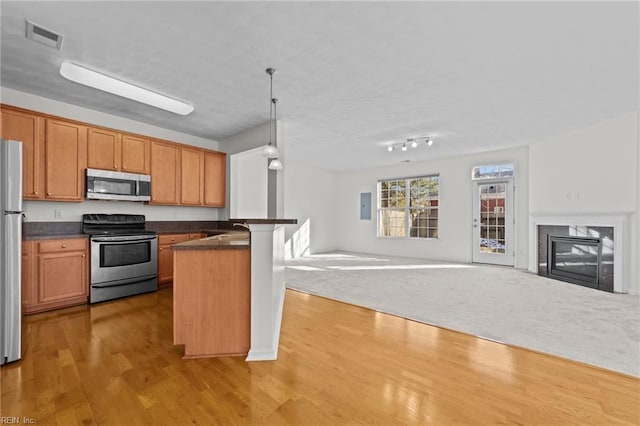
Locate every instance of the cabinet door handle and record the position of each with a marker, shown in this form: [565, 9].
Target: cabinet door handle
[35, 193]
[84, 255]
[124, 168]
[161, 248]
[115, 165]
[48, 193]
[64, 246]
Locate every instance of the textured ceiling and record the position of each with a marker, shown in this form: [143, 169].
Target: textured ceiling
[352, 77]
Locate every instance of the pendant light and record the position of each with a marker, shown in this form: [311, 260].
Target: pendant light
[269, 150]
[275, 164]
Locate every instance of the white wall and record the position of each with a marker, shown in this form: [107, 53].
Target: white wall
[248, 185]
[455, 212]
[250, 139]
[73, 112]
[310, 198]
[45, 211]
[635, 244]
[592, 170]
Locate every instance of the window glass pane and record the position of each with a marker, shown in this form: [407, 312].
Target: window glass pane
[492, 171]
[418, 214]
[391, 223]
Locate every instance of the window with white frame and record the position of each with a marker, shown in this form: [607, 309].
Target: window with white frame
[408, 207]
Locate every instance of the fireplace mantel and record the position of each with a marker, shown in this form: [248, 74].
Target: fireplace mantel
[615, 220]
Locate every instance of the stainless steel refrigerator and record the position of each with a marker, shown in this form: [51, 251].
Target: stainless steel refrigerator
[10, 250]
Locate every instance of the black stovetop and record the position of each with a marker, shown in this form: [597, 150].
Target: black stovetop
[114, 224]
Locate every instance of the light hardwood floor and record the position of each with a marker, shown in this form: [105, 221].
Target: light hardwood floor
[114, 363]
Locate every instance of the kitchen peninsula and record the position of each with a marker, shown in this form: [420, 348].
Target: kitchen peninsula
[229, 291]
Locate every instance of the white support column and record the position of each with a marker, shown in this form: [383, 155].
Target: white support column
[267, 290]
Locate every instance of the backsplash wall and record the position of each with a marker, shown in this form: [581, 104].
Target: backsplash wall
[51, 211]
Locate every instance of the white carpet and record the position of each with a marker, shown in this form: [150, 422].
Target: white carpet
[498, 303]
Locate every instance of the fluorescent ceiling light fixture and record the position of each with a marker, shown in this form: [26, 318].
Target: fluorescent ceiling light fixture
[82, 75]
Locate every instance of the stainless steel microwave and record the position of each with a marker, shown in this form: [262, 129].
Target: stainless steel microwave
[106, 185]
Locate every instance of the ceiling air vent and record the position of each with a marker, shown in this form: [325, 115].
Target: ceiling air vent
[45, 36]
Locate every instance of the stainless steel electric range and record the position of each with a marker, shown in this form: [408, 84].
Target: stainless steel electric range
[124, 256]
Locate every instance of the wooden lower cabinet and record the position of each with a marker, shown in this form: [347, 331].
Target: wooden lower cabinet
[165, 256]
[55, 274]
[212, 302]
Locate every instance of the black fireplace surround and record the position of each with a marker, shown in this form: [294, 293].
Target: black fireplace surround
[577, 259]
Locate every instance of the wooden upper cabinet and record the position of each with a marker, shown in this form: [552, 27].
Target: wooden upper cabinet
[214, 178]
[28, 129]
[57, 151]
[192, 177]
[136, 154]
[103, 149]
[109, 150]
[66, 160]
[165, 173]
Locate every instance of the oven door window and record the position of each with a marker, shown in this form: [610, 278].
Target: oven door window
[112, 255]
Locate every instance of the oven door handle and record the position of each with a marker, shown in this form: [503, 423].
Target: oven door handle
[116, 240]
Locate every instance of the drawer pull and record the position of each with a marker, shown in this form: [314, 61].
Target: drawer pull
[64, 246]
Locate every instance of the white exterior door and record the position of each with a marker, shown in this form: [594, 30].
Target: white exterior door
[493, 239]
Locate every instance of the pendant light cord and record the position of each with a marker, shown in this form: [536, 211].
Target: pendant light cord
[275, 125]
[270, 106]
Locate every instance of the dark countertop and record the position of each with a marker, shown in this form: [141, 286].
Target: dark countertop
[229, 240]
[63, 230]
[205, 244]
[53, 237]
[265, 221]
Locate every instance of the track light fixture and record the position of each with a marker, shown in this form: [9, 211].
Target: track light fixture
[413, 142]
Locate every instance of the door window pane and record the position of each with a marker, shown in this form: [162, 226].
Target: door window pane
[492, 218]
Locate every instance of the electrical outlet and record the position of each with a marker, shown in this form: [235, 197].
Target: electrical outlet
[57, 213]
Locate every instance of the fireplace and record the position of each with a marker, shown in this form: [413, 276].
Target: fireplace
[575, 260]
[609, 228]
[582, 255]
